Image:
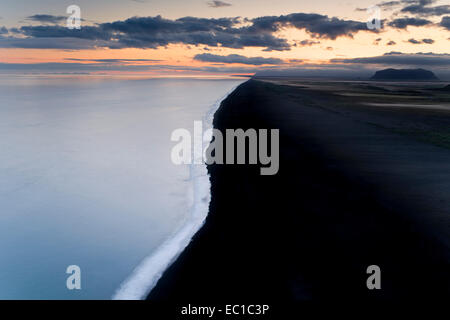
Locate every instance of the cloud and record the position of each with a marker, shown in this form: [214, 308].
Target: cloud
[154, 32]
[398, 58]
[46, 18]
[319, 26]
[49, 43]
[426, 41]
[445, 22]
[386, 5]
[422, 8]
[338, 68]
[235, 58]
[86, 32]
[417, 8]
[403, 23]
[389, 4]
[218, 4]
[307, 42]
[414, 41]
[391, 43]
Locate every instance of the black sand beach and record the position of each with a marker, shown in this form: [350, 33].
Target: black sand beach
[357, 186]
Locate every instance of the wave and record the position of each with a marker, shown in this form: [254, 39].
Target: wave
[144, 278]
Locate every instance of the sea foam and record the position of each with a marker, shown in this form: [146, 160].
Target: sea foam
[146, 275]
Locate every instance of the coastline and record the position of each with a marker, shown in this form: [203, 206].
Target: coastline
[348, 195]
[146, 275]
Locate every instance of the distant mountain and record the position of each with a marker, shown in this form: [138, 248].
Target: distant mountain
[404, 75]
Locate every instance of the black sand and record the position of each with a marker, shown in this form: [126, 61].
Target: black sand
[348, 195]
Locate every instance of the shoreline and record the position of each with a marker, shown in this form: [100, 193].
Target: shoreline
[146, 275]
[344, 199]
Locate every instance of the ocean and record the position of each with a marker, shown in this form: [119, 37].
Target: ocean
[86, 179]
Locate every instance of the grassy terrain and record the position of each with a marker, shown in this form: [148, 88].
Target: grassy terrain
[419, 110]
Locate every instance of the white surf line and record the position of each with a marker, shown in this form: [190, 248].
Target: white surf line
[145, 276]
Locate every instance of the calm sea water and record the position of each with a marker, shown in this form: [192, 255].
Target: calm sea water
[86, 179]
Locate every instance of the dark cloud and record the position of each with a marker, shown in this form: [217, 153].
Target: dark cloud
[307, 42]
[389, 4]
[319, 26]
[398, 58]
[235, 58]
[416, 7]
[422, 8]
[3, 30]
[414, 41]
[426, 41]
[218, 4]
[403, 23]
[49, 43]
[46, 18]
[14, 30]
[423, 11]
[386, 5]
[86, 32]
[154, 32]
[445, 22]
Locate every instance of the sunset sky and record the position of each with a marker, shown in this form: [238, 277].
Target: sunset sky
[172, 37]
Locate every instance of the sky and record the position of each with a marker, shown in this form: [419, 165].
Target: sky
[201, 37]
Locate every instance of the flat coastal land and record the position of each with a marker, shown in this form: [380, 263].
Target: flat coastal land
[364, 179]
